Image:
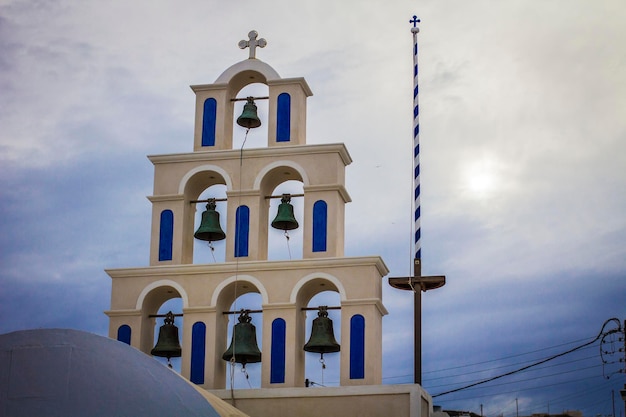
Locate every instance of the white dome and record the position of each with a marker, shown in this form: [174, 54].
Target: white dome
[70, 373]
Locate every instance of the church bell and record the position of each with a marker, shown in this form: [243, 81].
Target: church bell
[249, 118]
[243, 346]
[167, 345]
[322, 336]
[285, 220]
[210, 229]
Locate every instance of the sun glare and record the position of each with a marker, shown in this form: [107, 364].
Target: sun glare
[481, 178]
[481, 182]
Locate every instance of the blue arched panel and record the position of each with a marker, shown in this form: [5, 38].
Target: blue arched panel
[166, 235]
[123, 334]
[198, 348]
[209, 117]
[320, 226]
[277, 364]
[283, 118]
[242, 231]
[357, 347]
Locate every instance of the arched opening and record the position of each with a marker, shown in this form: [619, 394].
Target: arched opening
[238, 375]
[256, 137]
[286, 244]
[323, 370]
[204, 251]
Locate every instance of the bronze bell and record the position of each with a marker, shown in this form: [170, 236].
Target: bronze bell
[210, 228]
[249, 118]
[285, 220]
[322, 336]
[243, 346]
[167, 345]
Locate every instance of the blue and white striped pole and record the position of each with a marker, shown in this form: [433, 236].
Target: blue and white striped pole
[416, 144]
[417, 261]
[417, 283]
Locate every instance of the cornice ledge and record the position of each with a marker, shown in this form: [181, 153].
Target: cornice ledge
[276, 151]
[289, 81]
[123, 313]
[249, 266]
[208, 87]
[278, 306]
[165, 197]
[367, 301]
[199, 310]
[329, 187]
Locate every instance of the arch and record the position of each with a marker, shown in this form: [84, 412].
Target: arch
[198, 348]
[357, 347]
[209, 116]
[260, 68]
[162, 283]
[283, 118]
[242, 231]
[239, 278]
[317, 275]
[278, 351]
[166, 235]
[202, 168]
[320, 226]
[124, 333]
[277, 164]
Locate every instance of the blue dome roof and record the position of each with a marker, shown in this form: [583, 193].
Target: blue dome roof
[70, 373]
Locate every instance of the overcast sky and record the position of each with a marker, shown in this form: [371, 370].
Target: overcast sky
[523, 150]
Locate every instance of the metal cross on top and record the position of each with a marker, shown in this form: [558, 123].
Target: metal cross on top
[252, 43]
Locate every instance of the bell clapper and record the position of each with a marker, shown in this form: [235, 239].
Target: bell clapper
[323, 366]
[210, 244]
[245, 372]
[288, 247]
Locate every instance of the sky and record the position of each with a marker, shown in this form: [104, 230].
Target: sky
[523, 169]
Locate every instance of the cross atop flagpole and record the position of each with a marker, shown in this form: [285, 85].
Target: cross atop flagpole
[417, 283]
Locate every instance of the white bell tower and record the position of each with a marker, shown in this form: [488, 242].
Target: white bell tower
[251, 175]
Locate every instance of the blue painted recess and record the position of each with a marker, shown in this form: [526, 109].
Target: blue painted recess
[357, 347]
[320, 225]
[166, 235]
[198, 348]
[242, 231]
[283, 118]
[279, 339]
[123, 334]
[209, 117]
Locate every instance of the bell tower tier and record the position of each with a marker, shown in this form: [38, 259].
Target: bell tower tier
[249, 180]
[215, 105]
[250, 176]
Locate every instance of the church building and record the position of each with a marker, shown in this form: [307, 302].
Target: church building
[236, 183]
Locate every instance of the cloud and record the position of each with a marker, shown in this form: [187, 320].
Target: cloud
[522, 155]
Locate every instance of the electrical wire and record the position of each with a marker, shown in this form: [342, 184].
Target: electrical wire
[507, 357]
[506, 366]
[601, 334]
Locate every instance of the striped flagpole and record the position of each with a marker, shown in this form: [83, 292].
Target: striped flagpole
[416, 144]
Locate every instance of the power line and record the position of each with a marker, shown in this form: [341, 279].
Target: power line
[537, 377]
[601, 334]
[506, 366]
[518, 390]
[494, 368]
[505, 357]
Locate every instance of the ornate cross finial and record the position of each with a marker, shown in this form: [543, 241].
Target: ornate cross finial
[252, 43]
[415, 21]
